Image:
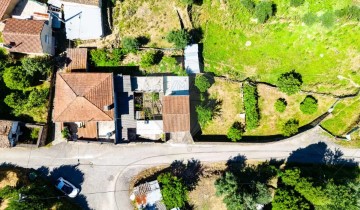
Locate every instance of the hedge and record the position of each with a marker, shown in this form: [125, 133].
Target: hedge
[251, 106]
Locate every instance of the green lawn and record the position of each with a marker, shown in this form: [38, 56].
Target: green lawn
[344, 116]
[284, 43]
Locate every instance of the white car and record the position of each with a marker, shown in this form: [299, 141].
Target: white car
[67, 188]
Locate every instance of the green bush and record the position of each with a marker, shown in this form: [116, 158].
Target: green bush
[309, 19]
[289, 199]
[40, 64]
[290, 82]
[202, 83]
[180, 38]
[350, 13]
[65, 133]
[173, 190]
[290, 127]
[263, 11]
[104, 57]
[148, 59]
[235, 132]
[248, 4]
[16, 78]
[296, 3]
[130, 44]
[169, 64]
[280, 105]
[252, 115]
[327, 19]
[205, 114]
[309, 105]
[34, 133]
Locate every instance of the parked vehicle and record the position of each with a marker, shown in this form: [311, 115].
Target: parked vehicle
[67, 188]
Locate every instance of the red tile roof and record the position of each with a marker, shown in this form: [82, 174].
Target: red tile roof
[176, 113]
[24, 34]
[82, 97]
[77, 59]
[3, 7]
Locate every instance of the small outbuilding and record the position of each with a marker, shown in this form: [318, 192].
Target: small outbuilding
[192, 62]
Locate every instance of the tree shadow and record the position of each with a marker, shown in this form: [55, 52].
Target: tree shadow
[143, 40]
[196, 34]
[190, 172]
[320, 162]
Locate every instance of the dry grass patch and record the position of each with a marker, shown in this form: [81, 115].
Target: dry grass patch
[271, 120]
[231, 106]
[10, 178]
[153, 19]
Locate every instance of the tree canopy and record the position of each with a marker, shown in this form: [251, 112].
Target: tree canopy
[235, 132]
[290, 127]
[309, 105]
[290, 82]
[16, 78]
[202, 83]
[130, 44]
[180, 38]
[173, 190]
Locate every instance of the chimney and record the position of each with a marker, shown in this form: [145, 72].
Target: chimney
[108, 107]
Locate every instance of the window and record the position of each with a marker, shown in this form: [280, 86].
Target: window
[46, 39]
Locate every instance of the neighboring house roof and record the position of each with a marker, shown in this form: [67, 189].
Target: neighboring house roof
[176, 113]
[5, 127]
[148, 84]
[192, 63]
[3, 7]
[77, 59]
[176, 85]
[87, 2]
[148, 194]
[82, 22]
[23, 35]
[31, 9]
[83, 96]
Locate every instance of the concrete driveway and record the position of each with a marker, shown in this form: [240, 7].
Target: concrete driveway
[108, 169]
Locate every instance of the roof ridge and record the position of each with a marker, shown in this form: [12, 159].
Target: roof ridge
[65, 109]
[69, 85]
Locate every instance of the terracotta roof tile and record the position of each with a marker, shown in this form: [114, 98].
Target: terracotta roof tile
[77, 59]
[25, 34]
[82, 97]
[3, 7]
[176, 113]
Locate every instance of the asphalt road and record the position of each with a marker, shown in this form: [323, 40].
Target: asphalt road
[103, 171]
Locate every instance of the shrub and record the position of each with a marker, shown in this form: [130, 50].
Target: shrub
[290, 127]
[327, 19]
[309, 105]
[16, 78]
[40, 64]
[290, 82]
[296, 3]
[205, 115]
[235, 132]
[173, 190]
[248, 4]
[130, 44]
[349, 13]
[180, 38]
[104, 57]
[289, 199]
[169, 64]
[263, 11]
[148, 59]
[202, 83]
[280, 105]
[252, 115]
[34, 133]
[65, 133]
[309, 19]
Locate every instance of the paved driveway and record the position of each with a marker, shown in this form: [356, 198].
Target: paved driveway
[108, 169]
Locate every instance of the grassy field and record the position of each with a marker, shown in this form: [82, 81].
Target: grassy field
[284, 43]
[228, 93]
[344, 116]
[271, 121]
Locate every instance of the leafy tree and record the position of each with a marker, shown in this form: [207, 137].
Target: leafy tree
[4, 59]
[130, 44]
[289, 199]
[263, 11]
[16, 100]
[350, 13]
[296, 3]
[290, 82]
[148, 59]
[173, 190]
[169, 64]
[16, 78]
[309, 105]
[235, 132]
[202, 83]
[262, 195]
[104, 57]
[280, 105]
[252, 115]
[290, 127]
[38, 65]
[248, 4]
[327, 19]
[205, 114]
[180, 38]
[309, 18]
[37, 98]
[343, 197]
